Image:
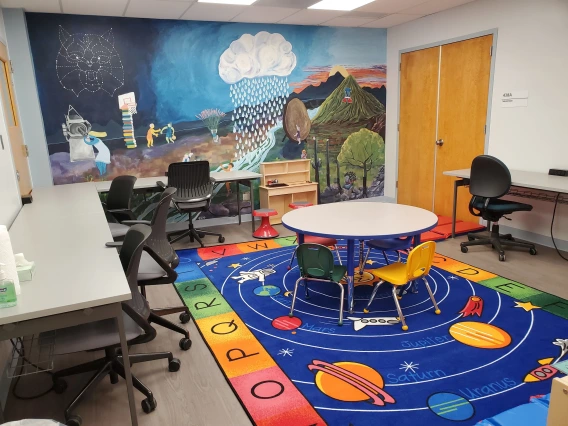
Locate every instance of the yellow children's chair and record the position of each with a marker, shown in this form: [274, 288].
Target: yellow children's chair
[400, 274]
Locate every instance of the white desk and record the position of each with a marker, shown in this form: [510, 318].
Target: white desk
[77, 279]
[242, 177]
[359, 221]
[519, 178]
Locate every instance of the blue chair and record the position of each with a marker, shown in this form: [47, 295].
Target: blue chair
[391, 244]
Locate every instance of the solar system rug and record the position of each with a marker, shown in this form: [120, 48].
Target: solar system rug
[493, 347]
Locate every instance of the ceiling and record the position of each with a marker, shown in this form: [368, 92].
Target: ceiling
[377, 14]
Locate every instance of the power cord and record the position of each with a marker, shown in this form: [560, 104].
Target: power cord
[552, 225]
[21, 352]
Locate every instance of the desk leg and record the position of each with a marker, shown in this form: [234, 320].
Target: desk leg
[239, 200]
[300, 239]
[457, 184]
[252, 204]
[124, 348]
[361, 254]
[350, 274]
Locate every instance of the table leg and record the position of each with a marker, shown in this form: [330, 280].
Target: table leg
[124, 348]
[239, 201]
[416, 242]
[457, 184]
[251, 204]
[361, 254]
[350, 274]
[300, 239]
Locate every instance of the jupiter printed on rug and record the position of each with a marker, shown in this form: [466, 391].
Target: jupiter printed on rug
[493, 347]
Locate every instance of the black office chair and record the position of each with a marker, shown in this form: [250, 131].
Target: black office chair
[157, 265]
[103, 335]
[194, 192]
[117, 205]
[490, 179]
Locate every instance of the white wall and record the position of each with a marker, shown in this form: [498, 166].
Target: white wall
[2, 28]
[532, 54]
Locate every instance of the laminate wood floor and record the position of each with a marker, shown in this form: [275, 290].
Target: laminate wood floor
[198, 395]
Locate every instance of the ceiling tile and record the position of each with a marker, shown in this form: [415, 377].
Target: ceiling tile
[346, 21]
[89, 7]
[392, 20]
[435, 6]
[264, 15]
[212, 12]
[296, 4]
[48, 6]
[311, 17]
[157, 9]
[390, 6]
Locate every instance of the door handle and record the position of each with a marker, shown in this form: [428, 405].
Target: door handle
[440, 142]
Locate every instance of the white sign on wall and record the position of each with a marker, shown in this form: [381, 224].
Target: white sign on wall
[515, 99]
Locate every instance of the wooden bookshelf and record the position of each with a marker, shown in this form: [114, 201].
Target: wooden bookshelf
[294, 173]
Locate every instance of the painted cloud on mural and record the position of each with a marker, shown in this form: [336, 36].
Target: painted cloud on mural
[261, 55]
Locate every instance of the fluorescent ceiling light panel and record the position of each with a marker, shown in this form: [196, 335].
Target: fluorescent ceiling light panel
[239, 2]
[340, 4]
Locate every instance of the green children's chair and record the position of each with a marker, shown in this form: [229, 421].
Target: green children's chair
[316, 264]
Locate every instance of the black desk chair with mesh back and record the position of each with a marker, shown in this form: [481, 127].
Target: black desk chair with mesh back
[117, 204]
[194, 192]
[490, 179]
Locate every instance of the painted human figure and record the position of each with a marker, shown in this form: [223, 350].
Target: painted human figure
[347, 98]
[298, 134]
[103, 154]
[304, 154]
[150, 135]
[187, 157]
[228, 168]
[170, 133]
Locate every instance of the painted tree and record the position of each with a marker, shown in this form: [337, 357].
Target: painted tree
[363, 151]
[338, 177]
[327, 163]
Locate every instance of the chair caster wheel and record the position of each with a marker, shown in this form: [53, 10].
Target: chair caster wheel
[174, 365]
[533, 251]
[184, 317]
[221, 239]
[149, 405]
[501, 257]
[74, 421]
[470, 238]
[404, 328]
[59, 386]
[200, 235]
[185, 344]
[464, 249]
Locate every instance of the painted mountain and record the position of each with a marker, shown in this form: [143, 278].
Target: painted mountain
[364, 106]
[321, 91]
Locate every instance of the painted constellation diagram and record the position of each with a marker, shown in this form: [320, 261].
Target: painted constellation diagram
[89, 62]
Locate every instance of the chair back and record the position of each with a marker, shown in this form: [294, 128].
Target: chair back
[120, 195]
[191, 179]
[420, 260]
[315, 261]
[490, 177]
[158, 240]
[130, 254]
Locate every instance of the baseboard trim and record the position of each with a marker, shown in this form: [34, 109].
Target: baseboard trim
[533, 237]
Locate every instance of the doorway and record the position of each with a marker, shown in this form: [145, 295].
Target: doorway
[444, 97]
[19, 149]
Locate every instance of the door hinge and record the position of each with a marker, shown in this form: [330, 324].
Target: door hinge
[398, 127]
[397, 184]
[18, 175]
[491, 51]
[400, 66]
[25, 150]
[485, 129]
[11, 67]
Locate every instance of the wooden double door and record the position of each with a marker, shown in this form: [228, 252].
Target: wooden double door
[444, 93]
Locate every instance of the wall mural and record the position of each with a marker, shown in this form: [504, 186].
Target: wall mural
[130, 96]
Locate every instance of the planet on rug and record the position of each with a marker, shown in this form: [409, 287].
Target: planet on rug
[350, 382]
[267, 290]
[450, 406]
[286, 323]
[480, 335]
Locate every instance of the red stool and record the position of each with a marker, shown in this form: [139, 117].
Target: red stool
[265, 230]
[299, 204]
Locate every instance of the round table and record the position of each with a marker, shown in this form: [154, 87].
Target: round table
[359, 221]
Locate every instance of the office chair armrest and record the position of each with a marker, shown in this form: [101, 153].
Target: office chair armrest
[136, 222]
[115, 244]
[140, 322]
[161, 184]
[171, 274]
[472, 208]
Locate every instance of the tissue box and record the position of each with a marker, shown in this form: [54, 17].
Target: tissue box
[26, 273]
